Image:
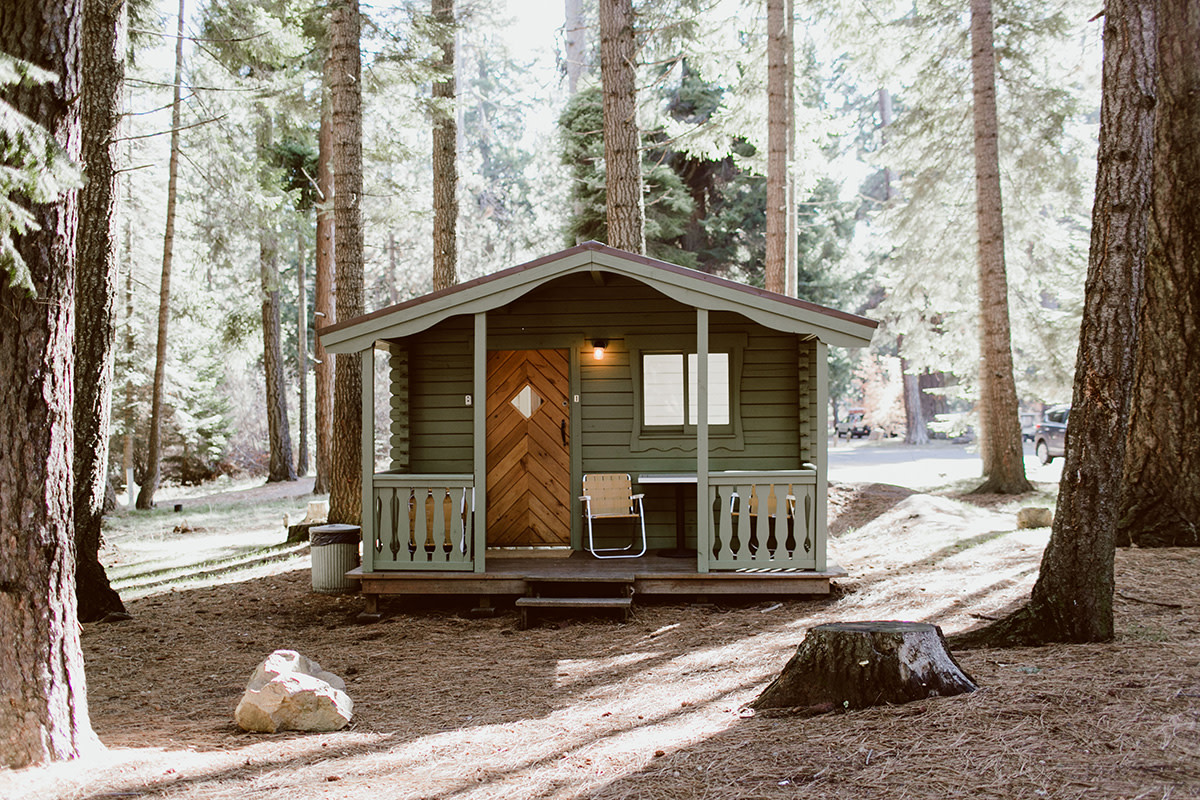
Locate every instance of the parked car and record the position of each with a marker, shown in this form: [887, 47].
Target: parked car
[853, 427]
[1050, 436]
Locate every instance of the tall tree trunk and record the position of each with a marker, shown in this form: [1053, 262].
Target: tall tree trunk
[145, 498]
[775, 268]
[323, 300]
[626, 211]
[96, 296]
[575, 44]
[302, 345]
[1000, 423]
[393, 287]
[445, 156]
[916, 431]
[791, 281]
[1072, 599]
[130, 343]
[280, 466]
[1161, 502]
[345, 494]
[885, 119]
[43, 695]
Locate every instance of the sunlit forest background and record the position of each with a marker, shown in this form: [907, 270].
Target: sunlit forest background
[883, 163]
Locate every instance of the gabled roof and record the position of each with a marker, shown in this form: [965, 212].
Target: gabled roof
[684, 285]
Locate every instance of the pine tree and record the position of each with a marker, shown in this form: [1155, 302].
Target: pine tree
[1072, 598]
[1003, 458]
[622, 157]
[445, 155]
[345, 493]
[104, 27]
[145, 498]
[43, 694]
[1160, 501]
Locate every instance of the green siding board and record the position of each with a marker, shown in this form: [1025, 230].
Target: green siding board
[442, 414]
[440, 378]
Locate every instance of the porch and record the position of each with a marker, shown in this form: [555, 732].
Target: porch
[651, 575]
[757, 521]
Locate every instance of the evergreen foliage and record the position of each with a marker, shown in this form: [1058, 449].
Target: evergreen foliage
[906, 257]
[1046, 118]
[668, 205]
[33, 169]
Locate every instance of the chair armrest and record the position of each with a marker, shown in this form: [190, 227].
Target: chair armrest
[637, 497]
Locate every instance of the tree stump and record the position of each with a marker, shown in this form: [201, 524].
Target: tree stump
[861, 664]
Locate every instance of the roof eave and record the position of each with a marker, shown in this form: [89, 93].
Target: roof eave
[695, 289]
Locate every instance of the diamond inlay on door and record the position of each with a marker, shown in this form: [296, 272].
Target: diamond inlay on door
[527, 401]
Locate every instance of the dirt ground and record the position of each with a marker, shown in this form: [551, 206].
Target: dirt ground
[447, 706]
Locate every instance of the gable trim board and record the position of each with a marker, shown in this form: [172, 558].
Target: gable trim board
[688, 286]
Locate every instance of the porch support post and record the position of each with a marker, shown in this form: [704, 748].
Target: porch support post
[367, 365]
[479, 426]
[822, 453]
[703, 510]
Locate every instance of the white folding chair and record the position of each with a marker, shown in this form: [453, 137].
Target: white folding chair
[610, 496]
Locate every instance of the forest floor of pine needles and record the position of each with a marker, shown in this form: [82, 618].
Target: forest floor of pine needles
[447, 706]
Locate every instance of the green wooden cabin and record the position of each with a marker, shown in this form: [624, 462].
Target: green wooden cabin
[506, 390]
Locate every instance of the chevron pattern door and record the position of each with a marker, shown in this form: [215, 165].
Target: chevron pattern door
[528, 453]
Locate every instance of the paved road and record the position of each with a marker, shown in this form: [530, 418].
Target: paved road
[925, 467]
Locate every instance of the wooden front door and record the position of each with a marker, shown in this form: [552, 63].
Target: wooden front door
[528, 457]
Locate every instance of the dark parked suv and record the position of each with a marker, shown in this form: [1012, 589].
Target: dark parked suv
[1050, 436]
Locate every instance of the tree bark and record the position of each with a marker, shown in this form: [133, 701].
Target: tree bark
[626, 212]
[1000, 422]
[302, 348]
[345, 491]
[103, 46]
[393, 287]
[1072, 599]
[445, 156]
[1161, 502]
[846, 665]
[130, 342]
[43, 695]
[145, 498]
[280, 466]
[916, 431]
[323, 299]
[775, 268]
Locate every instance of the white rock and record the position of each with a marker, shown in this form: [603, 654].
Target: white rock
[1034, 517]
[291, 692]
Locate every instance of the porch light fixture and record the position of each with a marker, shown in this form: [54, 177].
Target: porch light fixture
[598, 346]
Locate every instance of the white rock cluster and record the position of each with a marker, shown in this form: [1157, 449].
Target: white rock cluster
[291, 692]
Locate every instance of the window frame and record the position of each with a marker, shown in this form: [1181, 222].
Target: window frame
[683, 437]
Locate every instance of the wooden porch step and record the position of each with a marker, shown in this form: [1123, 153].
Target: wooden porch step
[553, 592]
[525, 604]
[574, 602]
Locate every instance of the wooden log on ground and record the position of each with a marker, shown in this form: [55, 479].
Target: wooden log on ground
[846, 665]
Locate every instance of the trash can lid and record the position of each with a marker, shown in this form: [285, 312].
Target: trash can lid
[334, 533]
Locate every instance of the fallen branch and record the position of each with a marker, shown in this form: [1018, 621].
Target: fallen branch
[1131, 598]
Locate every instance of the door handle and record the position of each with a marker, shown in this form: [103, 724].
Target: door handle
[562, 428]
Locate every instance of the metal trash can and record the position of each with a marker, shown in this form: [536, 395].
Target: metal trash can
[334, 551]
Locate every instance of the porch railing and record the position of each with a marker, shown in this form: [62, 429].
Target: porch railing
[763, 520]
[422, 522]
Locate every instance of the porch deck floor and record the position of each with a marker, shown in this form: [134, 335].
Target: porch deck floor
[650, 574]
